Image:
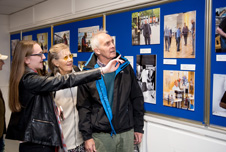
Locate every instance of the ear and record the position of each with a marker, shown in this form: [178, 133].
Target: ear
[97, 51]
[27, 60]
[55, 62]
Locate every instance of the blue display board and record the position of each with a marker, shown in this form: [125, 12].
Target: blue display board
[73, 28]
[119, 25]
[218, 72]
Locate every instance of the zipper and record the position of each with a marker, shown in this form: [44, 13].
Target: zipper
[42, 121]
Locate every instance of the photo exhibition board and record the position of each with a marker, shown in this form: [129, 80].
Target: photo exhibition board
[42, 36]
[218, 64]
[128, 29]
[74, 33]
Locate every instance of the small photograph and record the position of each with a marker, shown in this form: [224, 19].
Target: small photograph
[146, 27]
[178, 89]
[42, 40]
[180, 35]
[146, 76]
[27, 37]
[220, 30]
[13, 45]
[81, 64]
[62, 37]
[219, 95]
[84, 36]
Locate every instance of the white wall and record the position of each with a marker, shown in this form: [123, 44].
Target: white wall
[170, 135]
[5, 49]
[53, 11]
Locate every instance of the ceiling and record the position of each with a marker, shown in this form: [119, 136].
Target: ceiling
[8, 7]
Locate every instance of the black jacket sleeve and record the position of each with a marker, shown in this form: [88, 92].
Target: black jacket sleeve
[84, 110]
[137, 103]
[37, 83]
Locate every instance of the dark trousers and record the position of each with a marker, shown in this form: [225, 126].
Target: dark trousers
[185, 39]
[178, 44]
[147, 40]
[2, 144]
[31, 147]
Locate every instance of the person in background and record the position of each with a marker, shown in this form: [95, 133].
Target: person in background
[110, 109]
[185, 33]
[147, 32]
[84, 44]
[34, 119]
[193, 36]
[60, 61]
[2, 109]
[221, 29]
[167, 38]
[178, 35]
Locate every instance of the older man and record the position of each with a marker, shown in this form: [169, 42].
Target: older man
[110, 109]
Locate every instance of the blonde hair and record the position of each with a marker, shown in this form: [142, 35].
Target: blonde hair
[22, 50]
[54, 55]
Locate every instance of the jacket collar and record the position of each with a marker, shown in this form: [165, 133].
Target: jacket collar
[92, 61]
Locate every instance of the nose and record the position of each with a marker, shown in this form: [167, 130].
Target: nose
[43, 56]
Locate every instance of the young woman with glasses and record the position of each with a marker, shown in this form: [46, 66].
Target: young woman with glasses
[34, 119]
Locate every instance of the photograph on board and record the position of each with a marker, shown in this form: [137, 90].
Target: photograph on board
[178, 89]
[62, 37]
[219, 95]
[180, 35]
[146, 76]
[84, 36]
[42, 39]
[27, 37]
[220, 30]
[146, 27]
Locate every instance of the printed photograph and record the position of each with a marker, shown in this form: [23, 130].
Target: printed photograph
[219, 95]
[180, 35]
[146, 76]
[178, 89]
[62, 37]
[27, 37]
[220, 30]
[13, 45]
[42, 40]
[146, 27]
[84, 36]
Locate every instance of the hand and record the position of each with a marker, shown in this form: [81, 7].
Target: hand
[90, 145]
[111, 66]
[137, 137]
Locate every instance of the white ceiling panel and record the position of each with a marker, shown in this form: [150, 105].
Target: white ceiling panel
[8, 7]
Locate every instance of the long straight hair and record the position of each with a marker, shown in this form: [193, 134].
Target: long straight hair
[22, 50]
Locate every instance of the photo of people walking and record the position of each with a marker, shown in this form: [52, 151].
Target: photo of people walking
[179, 35]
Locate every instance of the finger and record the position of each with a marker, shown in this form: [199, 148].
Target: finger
[117, 65]
[94, 148]
[118, 57]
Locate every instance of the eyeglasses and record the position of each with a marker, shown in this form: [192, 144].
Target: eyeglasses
[38, 54]
[68, 56]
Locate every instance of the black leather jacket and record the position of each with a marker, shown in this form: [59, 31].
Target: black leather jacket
[36, 122]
